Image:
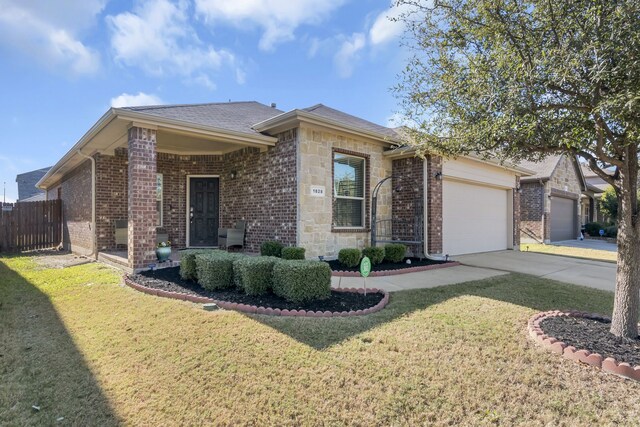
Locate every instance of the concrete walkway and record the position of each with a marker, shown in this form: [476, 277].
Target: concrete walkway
[601, 245]
[594, 274]
[419, 280]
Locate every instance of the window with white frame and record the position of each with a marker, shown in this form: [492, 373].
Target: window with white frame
[348, 191]
[159, 188]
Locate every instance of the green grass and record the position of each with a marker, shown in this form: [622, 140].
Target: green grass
[81, 346]
[586, 253]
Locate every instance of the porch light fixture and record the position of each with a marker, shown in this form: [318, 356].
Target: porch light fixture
[518, 189]
[438, 176]
[234, 174]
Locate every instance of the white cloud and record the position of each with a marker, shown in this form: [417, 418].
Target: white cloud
[278, 19]
[386, 27]
[48, 31]
[128, 100]
[158, 38]
[347, 55]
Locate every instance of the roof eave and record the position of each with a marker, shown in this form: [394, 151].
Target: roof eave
[295, 117]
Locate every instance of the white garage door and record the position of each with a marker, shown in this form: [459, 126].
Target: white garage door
[475, 218]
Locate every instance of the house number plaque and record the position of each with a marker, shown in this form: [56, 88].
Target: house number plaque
[317, 190]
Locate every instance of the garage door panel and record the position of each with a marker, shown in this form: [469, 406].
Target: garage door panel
[475, 218]
[563, 219]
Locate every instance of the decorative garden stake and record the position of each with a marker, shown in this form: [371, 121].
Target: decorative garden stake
[365, 269]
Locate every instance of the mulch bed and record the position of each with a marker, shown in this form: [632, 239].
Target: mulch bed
[168, 279]
[386, 266]
[592, 335]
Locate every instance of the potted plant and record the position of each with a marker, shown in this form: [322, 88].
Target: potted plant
[163, 251]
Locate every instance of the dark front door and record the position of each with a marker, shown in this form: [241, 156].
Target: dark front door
[204, 211]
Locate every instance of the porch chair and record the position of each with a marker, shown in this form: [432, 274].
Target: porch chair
[228, 237]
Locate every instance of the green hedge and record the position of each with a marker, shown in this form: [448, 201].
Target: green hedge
[188, 263]
[302, 280]
[394, 252]
[349, 257]
[254, 275]
[215, 269]
[611, 231]
[271, 248]
[593, 228]
[293, 252]
[375, 254]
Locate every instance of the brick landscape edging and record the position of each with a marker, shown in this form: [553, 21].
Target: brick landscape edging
[608, 364]
[245, 308]
[340, 273]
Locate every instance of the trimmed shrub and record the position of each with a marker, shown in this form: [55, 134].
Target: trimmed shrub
[300, 281]
[293, 252]
[215, 269]
[394, 252]
[254, 275]
[349, 257]
[611, 231]
[271, 248]
[188, 263]
[375, 254]
[593, 228]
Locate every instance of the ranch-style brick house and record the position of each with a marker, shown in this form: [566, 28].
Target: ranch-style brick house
[552, 200]
[305, 177]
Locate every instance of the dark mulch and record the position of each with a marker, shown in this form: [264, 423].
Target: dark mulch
[594, 336]
[415, 262]
[168, 279]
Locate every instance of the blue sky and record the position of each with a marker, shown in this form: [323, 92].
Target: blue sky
[64, 63]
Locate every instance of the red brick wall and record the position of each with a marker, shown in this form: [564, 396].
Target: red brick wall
[76, 209]
[111, 195]
[263, 193]
[516, 217]
[531, 210]
[434, 205]
[407, 201]
[142, 197]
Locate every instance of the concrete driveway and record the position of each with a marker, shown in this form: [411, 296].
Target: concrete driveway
[601, 245]
[594, 274]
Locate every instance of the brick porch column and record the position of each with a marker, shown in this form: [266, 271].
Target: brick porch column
[142, 197]
[434, 204]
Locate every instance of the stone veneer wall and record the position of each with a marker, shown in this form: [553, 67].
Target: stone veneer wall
[316, 146]
[76, 210]
[263, 193]
[408, 201]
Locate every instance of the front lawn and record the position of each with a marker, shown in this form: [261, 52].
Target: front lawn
[586, 253]
[89, 351]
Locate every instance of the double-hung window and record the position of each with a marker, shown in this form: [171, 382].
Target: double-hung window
[348, 191]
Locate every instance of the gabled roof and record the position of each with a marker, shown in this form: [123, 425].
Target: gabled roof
[349, 120]
[544, 168]
[27, 183]
[233, 116]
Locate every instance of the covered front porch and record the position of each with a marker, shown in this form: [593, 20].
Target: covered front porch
[163, 183]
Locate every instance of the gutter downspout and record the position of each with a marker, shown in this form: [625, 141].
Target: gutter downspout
[94, 240]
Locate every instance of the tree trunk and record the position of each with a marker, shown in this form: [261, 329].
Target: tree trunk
[626, 306]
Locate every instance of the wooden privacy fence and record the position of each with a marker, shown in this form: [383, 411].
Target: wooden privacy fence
[31, 225]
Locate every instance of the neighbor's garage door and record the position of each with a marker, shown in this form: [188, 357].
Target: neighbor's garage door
[563, 219]
[474, 218]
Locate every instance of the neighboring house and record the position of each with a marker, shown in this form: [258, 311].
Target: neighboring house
[27, 190]
[303, 177]
[596, 186]
[550, 200]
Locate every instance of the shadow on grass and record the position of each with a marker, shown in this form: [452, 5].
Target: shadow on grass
[527, 291]
[40, 364]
